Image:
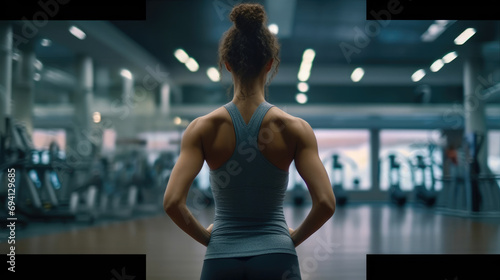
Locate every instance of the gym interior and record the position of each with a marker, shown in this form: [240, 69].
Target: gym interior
[406, 114]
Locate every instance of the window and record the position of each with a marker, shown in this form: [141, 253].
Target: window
[43, 137]
[407, 146]
[350, 149]
[494, 151]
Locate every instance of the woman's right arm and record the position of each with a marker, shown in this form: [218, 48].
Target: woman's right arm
[313, 172]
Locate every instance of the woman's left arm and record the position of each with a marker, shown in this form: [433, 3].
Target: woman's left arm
[183, 174]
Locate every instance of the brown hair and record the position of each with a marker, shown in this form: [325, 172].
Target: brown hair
[248, 45]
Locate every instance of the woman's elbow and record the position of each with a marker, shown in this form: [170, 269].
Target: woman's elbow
[171, 205]
[329, 206]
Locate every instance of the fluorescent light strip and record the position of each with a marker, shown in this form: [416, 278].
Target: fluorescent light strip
[449, 57]
[306, 65]
[464, 36]
[16, 56]
[273, 28]
[418, 75]
[96, 117]
[38, 65]
[126, 74]
[192, 65]
[436, 29]
[77, 32]
[437, 65]
[308, 55]
[181, 55]
[46, 42]
[357, 74]
[213, 74]
[303, 87]
[301, 98]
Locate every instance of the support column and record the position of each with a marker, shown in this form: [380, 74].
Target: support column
[165, 99]
[474, 106]
[374, 158]
[23, 97]
[475, 128]
[80, 137]
[5, 73]
[128, 89]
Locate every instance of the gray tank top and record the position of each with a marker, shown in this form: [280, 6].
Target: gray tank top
[249, 192]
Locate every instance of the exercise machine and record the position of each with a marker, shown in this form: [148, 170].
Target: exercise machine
[37, 180]
[338, 180]
[396, 195]
[423, 193]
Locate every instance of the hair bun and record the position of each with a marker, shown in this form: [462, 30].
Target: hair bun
[248, 17]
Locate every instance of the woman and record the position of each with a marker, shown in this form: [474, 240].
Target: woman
[249, 145]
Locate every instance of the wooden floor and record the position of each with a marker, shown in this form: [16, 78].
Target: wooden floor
[337, 251]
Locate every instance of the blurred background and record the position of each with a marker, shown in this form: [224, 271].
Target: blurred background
[406, 114]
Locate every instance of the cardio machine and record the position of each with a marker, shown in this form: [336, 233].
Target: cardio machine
[396, 195]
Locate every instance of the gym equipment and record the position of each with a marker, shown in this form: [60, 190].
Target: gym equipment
[471, 189]
[474, 143]
[120, 198]
[38, 181]
[396, 195]
[423, 169]
[298, 194]
[422, 193]
[298, 191]
[338, 180]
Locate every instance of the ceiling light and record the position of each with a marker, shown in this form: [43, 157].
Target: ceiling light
[464, 36]
[306, 65]
[357, 74]
[303, 87]
[192, 65]
[38, 65]
[304, 75]
[16, 56]
[449, 57]
[308, 55]
[418, 75]
[96, 117]
[301, 98]
[181, 55]
[442, 22]
[46, 42]
[77, 32]
[126, 74]
[436, 29]
[304, 70]
[437, 65]
[273, 28]
[177, 121]
[213, 74]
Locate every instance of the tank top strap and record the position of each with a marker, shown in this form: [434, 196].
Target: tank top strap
[258, 116]
[241, 129]
[238, 122]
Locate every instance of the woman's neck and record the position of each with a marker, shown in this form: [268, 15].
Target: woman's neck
[252, 93]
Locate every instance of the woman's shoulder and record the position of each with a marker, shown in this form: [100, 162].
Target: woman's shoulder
[212, 120]
[287, 121]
